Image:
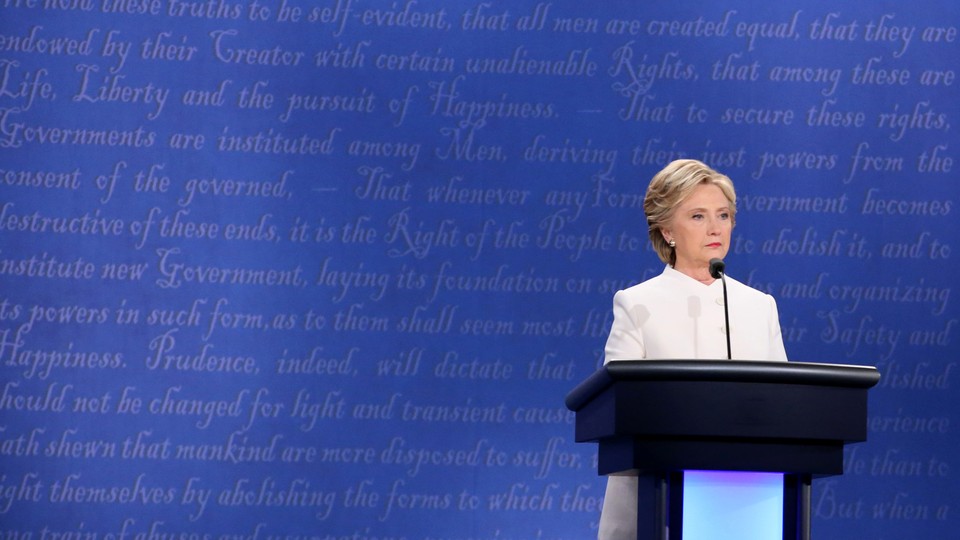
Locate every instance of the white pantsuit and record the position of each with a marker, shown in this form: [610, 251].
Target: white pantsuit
[675, 317]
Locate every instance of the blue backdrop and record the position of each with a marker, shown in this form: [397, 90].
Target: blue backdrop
[327, 269]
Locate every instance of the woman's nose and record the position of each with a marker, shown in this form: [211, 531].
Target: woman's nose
[713, 225]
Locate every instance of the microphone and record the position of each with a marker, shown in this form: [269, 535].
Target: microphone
[718, 271]
[716, 268]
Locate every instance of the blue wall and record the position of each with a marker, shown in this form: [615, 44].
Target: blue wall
[328, 269]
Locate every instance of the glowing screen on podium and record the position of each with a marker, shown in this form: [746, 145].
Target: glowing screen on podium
[721, 505]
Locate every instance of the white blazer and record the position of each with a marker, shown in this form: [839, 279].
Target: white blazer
[674, 316]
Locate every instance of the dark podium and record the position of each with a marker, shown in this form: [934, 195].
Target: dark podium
[658, 418]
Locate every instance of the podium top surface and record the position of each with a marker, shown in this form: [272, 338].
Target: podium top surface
[800, 373]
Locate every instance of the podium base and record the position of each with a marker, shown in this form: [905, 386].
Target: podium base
[718, 505]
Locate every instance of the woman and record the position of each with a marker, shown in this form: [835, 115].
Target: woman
[690, 211]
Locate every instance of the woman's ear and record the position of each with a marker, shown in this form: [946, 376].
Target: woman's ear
[665, 234]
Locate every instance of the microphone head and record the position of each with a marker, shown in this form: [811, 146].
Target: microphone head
[717, 268]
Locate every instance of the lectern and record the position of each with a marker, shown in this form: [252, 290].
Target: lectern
[662, 419]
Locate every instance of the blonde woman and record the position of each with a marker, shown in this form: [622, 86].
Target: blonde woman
[691, 210]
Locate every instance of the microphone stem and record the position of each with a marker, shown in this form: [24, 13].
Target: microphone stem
[726, 314]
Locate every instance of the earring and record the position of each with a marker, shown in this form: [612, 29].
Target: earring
[672, 243]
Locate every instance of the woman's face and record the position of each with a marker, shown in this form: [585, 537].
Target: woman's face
[701, 227]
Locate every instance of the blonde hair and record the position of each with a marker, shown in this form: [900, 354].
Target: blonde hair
[669, 188]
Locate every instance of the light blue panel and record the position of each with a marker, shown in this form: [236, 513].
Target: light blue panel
[719, 505]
